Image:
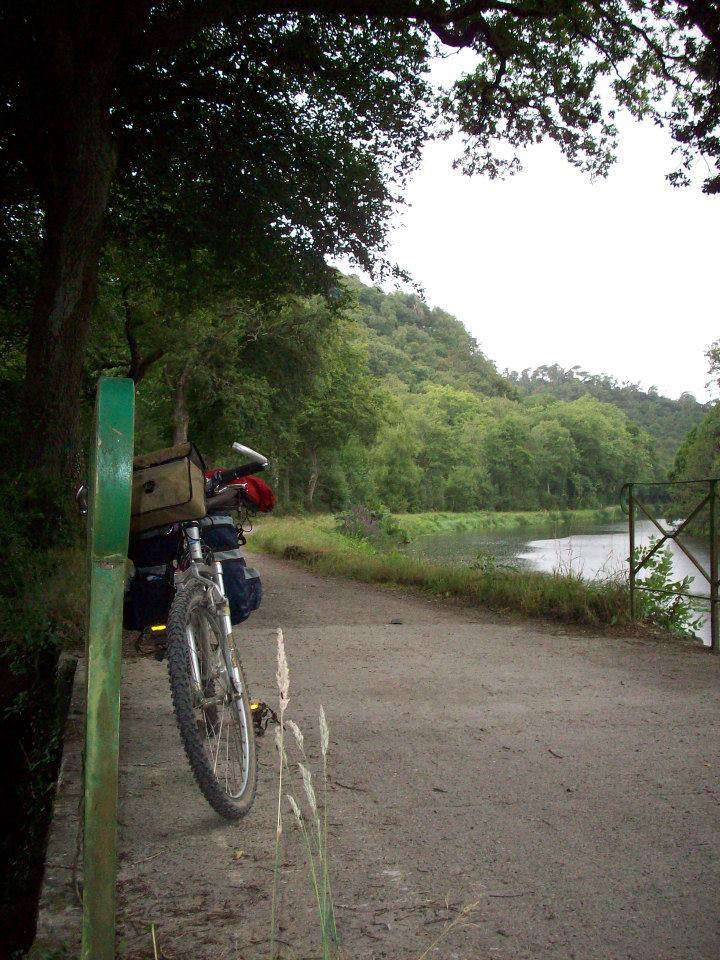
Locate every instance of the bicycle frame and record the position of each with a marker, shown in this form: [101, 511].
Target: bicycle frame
[212, 579]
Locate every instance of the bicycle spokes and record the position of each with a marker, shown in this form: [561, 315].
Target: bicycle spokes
[220, 717]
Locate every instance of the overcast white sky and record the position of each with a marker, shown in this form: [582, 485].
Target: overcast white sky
[617, 275]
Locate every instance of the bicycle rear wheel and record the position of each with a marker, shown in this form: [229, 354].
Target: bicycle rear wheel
[214, 718]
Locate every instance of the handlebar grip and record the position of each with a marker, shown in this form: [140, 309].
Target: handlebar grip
[250, 454]
[227, 476]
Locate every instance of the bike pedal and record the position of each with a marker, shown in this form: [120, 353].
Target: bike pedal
[152, 642]
[159, 642]
[262, 716]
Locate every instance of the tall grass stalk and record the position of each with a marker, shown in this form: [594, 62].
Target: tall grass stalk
[283, 683]
[315, 837]
[328, 900]
[315, 875]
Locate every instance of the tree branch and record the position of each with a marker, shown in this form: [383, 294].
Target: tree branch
[139, 365]
[455, 26]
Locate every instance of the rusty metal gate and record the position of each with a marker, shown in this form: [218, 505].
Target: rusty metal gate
[708, 498]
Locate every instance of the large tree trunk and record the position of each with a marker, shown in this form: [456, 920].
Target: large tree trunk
[180, 414]
[72, 156]
[58, 335]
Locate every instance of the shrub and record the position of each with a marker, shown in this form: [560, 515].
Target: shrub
[376, 525]
[659, 600]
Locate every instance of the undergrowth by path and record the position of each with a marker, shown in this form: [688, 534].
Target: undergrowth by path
[314, 542]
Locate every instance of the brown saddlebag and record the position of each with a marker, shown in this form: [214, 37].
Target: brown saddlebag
[168, 486]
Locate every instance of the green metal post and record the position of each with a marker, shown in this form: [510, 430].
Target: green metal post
[631, 530]
[713, 571]
[108, 529]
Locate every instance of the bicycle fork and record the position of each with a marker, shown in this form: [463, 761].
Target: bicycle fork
[223, 609]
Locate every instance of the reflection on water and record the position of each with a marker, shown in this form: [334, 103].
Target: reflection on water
[594, 551]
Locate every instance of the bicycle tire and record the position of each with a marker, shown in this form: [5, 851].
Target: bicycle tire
[181, 687]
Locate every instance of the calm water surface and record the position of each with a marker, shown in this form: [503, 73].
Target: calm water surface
[593, 551]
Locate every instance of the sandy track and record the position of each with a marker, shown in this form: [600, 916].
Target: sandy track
[567, 783]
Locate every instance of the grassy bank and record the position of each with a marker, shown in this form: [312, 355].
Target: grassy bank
[42, 609]
[423, 524]
[314, 542]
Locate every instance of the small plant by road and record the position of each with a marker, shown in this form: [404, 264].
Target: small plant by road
[660, 600]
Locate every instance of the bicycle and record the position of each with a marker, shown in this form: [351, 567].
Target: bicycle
[207, 684]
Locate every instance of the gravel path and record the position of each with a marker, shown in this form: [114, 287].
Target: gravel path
[565, 784]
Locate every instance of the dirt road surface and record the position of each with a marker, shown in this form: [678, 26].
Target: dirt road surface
[565, 784]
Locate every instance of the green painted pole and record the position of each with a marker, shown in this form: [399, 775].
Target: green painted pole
[108, 530]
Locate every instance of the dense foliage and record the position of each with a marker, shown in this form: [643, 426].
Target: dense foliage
[270, 135]
[667, 421]
[699, 455]
[364, 397]
[446, 449]
[413, 345]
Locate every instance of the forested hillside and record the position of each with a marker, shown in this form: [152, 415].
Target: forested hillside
[358, 397]
[409, 343]
[698, 457]
[667, 421]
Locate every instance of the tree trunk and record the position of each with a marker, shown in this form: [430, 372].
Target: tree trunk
[180, 414]
[139, 365]
[314, 476]
[286, 488]
[73, 159]
[61, 321]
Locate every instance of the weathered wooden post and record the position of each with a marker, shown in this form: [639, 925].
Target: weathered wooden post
[108, 529]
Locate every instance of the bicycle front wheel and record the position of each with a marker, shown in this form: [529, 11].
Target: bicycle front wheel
[213, 716]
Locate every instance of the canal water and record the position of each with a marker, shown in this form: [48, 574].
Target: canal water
[593, 551]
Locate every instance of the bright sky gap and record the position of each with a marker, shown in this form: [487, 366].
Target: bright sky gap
[618, 275]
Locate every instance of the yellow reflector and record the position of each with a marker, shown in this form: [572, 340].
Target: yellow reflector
[159, 626]
[255, 705]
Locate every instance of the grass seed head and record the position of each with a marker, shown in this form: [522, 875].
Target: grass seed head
[295, 808]
[283, 673]
[309, 789]
[296, 732]
[324, 732]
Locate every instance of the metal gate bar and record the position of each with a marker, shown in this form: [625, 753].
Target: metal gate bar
[711, 576]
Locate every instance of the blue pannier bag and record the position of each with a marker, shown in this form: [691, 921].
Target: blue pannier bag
[243, 587]
[148, 598]
[151, 589]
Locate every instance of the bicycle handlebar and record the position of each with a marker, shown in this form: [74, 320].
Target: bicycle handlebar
[251, 454]
[227, 476]
[257, 462]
